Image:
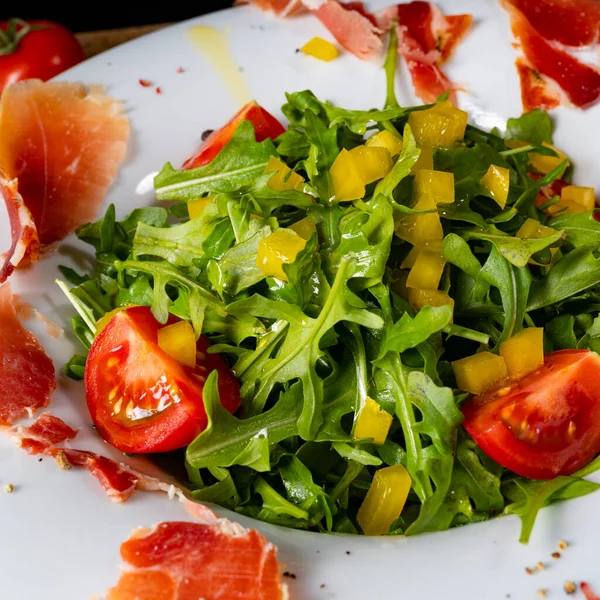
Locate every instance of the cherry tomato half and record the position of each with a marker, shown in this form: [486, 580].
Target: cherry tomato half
[265, 126]
[140, 398]
[36, 50]
[546, 424]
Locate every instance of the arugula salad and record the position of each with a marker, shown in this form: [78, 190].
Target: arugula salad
[383, 285]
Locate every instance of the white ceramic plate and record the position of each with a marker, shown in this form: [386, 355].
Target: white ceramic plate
[60, 535]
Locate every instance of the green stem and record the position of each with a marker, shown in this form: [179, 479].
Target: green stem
[467, 334]
[15, 31]
[390, 69]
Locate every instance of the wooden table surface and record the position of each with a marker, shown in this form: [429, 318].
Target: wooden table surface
[94, 42]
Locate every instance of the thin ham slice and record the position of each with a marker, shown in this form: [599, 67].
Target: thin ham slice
[27, 374]
[588, 592]
[184, 561]
[536, 92]
[282, 8]
[43, 435]
[25, 246]
[64, 144]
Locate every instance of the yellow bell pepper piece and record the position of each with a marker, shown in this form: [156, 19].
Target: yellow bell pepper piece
[305, 227]
[420, 298]
[532, 228]
[523, 352]
[277, 249]
[479, 372]
[427, 271]
[578, 199]
[385, 500]
[387, 140]
[321, 49]
[197, 205]
[545, 164]
[438, 126]
[105, 319]
[346, 178]
[438, 184]
[179, 341]
[425, 160]
[424, 231]
[495, 184]
[373, 163]
[373, 422]
[411, 258]
[284, 178]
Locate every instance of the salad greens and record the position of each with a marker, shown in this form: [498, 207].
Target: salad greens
[309, 351]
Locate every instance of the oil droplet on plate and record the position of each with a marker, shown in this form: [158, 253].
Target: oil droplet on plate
[213, 44]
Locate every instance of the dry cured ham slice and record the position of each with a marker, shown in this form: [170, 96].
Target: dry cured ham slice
[282, 8]
[25, 244]
[27, 374]
[64, 144]
[43, 435]
[536, 92]
[181, 561]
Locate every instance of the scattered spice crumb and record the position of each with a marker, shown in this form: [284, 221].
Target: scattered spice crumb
[40, 459]
[348, 552]
[290, 575]
[297, 50]
[145, 82]
[322, 585]
[9, 488]
[562, 545]
[529, 570]
[62, 461]
[159, 90]
[556, 555]
[180, 70]
[542, 593]
[540, 566]
[206, 133]
[318, 551]
[570, 587]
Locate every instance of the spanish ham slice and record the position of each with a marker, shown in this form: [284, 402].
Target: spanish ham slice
[25, 244]
[43, 435]
[26, 372]
[282, 8]
[64, 144]
[536, 92]
[185, 561]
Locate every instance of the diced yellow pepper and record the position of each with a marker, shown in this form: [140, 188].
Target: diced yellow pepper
[438, 126]
[581, 198]
[305, 227]
[495, 184]
[427, 271]
[438, 184]
[179, 341]
[373, 422]
[387, 140]
[373, 163]
[277, 249]
[523, 352]
[284, 178]
[105, 319]
[385, 500]
[346, 178]
[533, 229]
[420, 298]
[424, 231]
[425, 160]
[545, 164]
[479, 372]
[398, 284]
[410, 259]
[197, 205]
[321, 49]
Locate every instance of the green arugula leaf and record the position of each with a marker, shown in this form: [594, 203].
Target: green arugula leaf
[534, 127]
[356, 454]
[581, 229]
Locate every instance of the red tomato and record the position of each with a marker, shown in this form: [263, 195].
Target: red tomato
[546, 424]
[140, 398]
[39, 53]
[265, 126]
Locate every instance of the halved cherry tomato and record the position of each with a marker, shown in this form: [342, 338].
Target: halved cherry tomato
[140, 398]
[546, 424]
[265, 126]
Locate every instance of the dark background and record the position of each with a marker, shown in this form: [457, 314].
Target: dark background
[110, 15]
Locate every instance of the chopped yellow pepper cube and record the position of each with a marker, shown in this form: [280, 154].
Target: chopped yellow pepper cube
[532, 228]
[385, 500]
[410, 259]
[346, 178]
[523, 352]
[420, 298]
[179, 341]
[479, 372]
[321, 49]
[305, 227]
[373, 163]
[427, 271]
[545, 164]
[277, 249]
[423, 230]
[197, 205]
[425, 160]
[438, 126]
[284, 178]
[105, 319]
[387, 140]
[495, 184]
[373, 422]
[582, 197]
[438, 184]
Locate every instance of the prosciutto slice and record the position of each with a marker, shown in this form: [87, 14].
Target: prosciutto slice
[43, 435]
[213, 561]
[536, 92]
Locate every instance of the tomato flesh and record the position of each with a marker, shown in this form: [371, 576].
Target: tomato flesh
[139, 397]
[265, 126]
[546, 424]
